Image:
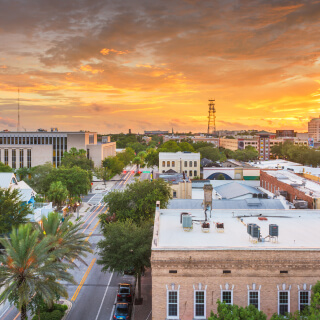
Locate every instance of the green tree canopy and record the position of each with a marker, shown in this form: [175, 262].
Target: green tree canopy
[78, 158]
[39, 180]
[5, 168]
[137, 146]
[186, 146]
[29, 266]
[126, 156]
[202, 144]
[169, 146]
[138, 161]
[152, 158]
[138, 200]
[12, 211]
[58, 193]
[23, 173]
[210, 153]
[114, 165]
[126, 245]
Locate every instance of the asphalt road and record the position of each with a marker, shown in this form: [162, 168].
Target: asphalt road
[94, 295]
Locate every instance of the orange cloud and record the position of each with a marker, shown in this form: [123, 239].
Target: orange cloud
[88, 68]
[106, 51]
[3, 67]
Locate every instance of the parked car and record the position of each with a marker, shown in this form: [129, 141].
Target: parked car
[121, 311]
[124, 293]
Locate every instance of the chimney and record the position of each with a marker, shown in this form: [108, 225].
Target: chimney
[207, 188]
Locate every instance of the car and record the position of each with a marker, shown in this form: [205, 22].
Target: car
[124, 293]
[121, 311]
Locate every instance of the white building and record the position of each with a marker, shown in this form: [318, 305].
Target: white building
[180, 162]
[29, 149]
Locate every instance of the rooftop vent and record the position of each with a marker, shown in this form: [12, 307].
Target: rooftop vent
[273, 230]
[187, 222]
[255, 231]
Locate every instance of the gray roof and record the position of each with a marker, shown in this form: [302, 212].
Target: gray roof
[235, 189]
[227, 204]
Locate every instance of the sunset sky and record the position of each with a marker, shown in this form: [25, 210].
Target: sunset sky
[108, 66]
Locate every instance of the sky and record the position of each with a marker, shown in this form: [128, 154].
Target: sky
[114, 65]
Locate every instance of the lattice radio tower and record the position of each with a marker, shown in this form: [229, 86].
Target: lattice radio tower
[211, 117]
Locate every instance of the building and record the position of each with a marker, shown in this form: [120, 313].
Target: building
[181, 186]
[292, 186]
[29, 149]
[268, 258]
[264, 145]
[238, 143]
[235, 173]
[314, 129]
[202, 138]
[180, 162]
[285, 133]
[155, 132]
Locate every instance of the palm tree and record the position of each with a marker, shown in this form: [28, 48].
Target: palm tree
[29, 266]
[68, 240]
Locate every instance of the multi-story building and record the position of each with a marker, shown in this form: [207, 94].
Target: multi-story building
[29, 149]
[202, 138]
[285, 133]
[180, 162]
[267, 258]
[314, 129]
[264, 145]
[240, 143]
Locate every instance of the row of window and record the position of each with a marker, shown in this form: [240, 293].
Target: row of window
[199, 302]
[33, 140]
[14, 158]
[173, 163]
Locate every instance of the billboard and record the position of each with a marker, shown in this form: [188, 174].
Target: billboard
[310, 142]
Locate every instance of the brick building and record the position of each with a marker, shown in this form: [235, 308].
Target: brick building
[191, 270]
[292, 186]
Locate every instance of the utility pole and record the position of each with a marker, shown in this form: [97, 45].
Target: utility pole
[211, 117]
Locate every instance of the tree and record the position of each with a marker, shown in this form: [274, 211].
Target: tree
[185, 146]
[126, 245]
[12, 211]
[202, 144]
[103, 173]
[58, 193]
[68, 240]
[152, 158]
[210, 153]
[5, 168]
[221, 177]
[27, 266]
[126, 156]
[23, 173]
[169, 146]
[114, 165]
[39, 180]
[137, 147]
[78, 158]
[138, 201]
[138, 161]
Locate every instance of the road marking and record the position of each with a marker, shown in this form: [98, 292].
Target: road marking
[94, 228]
[5, 312]
[93, 219]
[91, 214]
[114, 306]
[104, 296]
[83, 280]
[17, 316]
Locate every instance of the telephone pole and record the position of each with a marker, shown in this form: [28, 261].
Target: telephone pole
[211, 117]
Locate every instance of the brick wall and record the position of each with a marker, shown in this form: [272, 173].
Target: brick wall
[272, 184]
[248, 267]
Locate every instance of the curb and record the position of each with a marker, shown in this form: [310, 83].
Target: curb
[69, 305]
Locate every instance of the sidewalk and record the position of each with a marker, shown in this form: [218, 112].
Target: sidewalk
[143, 312]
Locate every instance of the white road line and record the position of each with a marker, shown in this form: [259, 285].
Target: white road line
[112, 311]
[105, 293]
[4, 312]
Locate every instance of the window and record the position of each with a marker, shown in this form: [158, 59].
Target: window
[29, 158]
[195, 173]
[194, 163]
[163, 163]
[226, 296]
[168, 163]
[173, 164]
[14, 159]
[28, 140]
[91, 138]
[21, 158]
[199, 304]
[190, 173]
[190, 163]
[304, 299]
[186, 163]
[172, 307]
[174, 194]
[254, 299]
[283, 302]
[6, 156]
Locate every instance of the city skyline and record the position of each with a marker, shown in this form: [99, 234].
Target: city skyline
[108, 66]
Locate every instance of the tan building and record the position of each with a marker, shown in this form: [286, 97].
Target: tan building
[181, 186]
[240, 143]
[314, 129]
[180, 162]
[274, 267]
[29, 149]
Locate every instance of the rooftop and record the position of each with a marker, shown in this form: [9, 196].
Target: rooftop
[177, 155]
[274, 164]
[235, 189]
[174, 177]
[298, 230]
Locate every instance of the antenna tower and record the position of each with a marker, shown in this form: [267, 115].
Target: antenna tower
[211, 117]
[18, 125]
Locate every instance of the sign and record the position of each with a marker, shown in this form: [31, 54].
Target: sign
[145, 171]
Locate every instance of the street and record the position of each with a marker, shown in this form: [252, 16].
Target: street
[94, 296]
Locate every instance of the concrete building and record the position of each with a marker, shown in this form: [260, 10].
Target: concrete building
[238, 143]
[181, 186]
[236, 173]
[29, 149]
[285, 133]
[264, 145]
[180, 162]
[273, 268]
[314, 129]
[291, 186]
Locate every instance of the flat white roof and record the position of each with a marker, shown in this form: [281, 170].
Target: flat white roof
[273, 164]
[179, 155]
[298, 230]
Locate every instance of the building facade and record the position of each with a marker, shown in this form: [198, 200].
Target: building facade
[29, 149]
[314, 129]
[191, 269]
[180, 162]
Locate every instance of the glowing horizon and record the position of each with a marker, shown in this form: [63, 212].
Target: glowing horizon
[110, 66]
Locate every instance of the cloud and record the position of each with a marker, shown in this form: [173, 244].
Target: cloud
[106, 51]
[8, 122]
